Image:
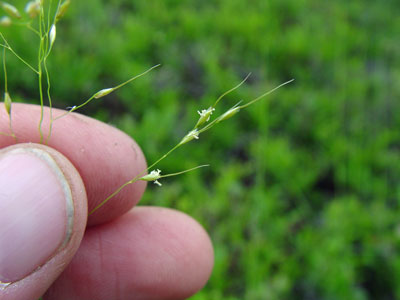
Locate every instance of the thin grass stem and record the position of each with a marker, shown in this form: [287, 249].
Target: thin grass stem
[183, 172]
[231, 90]
[33, 29]
[74, 108]
[112, 195]
[265, 94]
[40, 74]
[7, 134]
[136, 178]
[9, 110]
[7, 46]
[50, 102]
[136, 77]
[5, 71]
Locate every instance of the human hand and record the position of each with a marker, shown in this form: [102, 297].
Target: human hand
[125, 253]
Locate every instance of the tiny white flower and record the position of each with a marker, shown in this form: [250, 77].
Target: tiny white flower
[194, 134]
[156, 173]
[153, 176]
[205, 115]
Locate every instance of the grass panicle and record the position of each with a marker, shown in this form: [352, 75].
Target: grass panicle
[46, 30]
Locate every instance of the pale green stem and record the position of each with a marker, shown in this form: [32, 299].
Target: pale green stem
[7, 46]
[231, 90]
[42, 21]
[27, 25]
[7, 134]
[136, 178]
[74, 108]
[183, 172]
[6, 91]
[32, 29]
[161, 158]
[57, 10]
[136, 77]
[5, 71]
[48, 13]
[265, 94]
[50, 102]
[47, 51]
[41, 104]
[114, 88]
[40, 61]
[112, 195]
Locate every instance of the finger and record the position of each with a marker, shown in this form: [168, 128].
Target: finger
[149, 253]
[43, 212]
[105, 157]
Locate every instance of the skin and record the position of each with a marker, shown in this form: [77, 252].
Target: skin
[126, 252]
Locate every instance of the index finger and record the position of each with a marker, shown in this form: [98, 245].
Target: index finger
[105, 157]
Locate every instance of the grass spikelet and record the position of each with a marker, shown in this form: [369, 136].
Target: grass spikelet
[62, 10]
[46, 30]
[105, 92]
[7, 103]
[5, 21]
[32, 8]
[11, 10]
[52, 35]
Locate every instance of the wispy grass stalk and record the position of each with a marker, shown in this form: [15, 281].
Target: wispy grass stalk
[46, 31]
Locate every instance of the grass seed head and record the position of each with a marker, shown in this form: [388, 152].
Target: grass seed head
[103, 92]
[205, 115]
[62, 9]
[7, 102]
[32, 8]
[194, 134]
[11, 10]
[153, 176]
[5, 21]
[229, 114]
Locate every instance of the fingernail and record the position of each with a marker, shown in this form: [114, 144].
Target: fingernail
[36, 212]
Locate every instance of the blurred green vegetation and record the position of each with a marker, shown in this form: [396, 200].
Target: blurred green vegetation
[302, 197]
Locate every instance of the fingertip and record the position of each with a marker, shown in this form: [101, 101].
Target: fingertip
[149, 253]
[44, 212]
[186, 248]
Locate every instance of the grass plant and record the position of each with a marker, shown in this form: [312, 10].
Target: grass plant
[41, 19]
[302, 197]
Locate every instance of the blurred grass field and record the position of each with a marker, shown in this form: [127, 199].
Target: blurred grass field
[302, 196]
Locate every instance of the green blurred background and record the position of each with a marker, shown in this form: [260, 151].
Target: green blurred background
[302, 196]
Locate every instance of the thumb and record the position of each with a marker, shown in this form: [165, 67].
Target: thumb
[43, 212]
